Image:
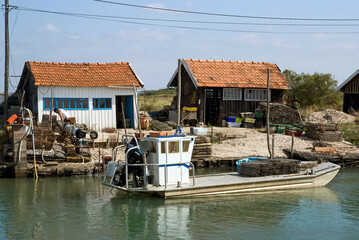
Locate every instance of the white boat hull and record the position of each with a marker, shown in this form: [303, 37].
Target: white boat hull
[232, 183]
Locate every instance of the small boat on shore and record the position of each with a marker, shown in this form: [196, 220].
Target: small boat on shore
[160, 166]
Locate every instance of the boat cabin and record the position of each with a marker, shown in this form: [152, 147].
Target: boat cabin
[167, 161]
[175, 151]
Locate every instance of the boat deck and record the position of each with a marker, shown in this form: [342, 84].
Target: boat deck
[231, 183]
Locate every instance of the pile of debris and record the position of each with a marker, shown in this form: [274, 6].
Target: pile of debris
[324, 131]
[56, 154]
[44, 138]
[281, 113]
[269, 167]
[162, 126]
[330, 115]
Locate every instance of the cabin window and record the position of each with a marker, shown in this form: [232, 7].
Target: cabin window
[232, 94]
[47, 103]
[256, 95]
[173, 147]
[185, 146]
[163, 147]
[153, 147]
[66, 103]
[102, 103]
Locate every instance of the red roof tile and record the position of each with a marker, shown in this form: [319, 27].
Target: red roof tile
[84, 74]
[212, 73]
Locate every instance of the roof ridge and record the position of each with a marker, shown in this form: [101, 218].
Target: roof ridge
[229, 61]
[77, 63]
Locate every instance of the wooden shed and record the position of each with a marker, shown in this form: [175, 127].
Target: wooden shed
[93, 93]
[222, 88]
[350, 88]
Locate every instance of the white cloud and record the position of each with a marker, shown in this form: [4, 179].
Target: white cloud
[144, 35]
[48, 28]
[189, 4]
[156, 5]
[51, 28]
[350, 46]
[73, 37]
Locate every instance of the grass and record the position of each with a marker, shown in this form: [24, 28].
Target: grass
[155, 100]
[351, 132]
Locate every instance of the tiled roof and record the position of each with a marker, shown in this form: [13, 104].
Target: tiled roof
[211, 73]
[84, 74]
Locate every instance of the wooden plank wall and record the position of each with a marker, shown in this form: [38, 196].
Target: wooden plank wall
[352, 86]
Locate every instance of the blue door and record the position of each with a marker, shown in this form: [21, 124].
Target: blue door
[129, 109]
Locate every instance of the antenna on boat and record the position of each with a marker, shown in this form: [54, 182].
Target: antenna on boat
[179, 95]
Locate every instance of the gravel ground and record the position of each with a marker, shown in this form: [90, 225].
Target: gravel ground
[251, 142]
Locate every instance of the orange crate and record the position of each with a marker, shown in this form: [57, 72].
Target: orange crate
[160, 133]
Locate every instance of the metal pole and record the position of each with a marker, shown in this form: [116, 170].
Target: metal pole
[179, 93]
[272, 146]
[268, 141]
[292, 147]
[7, 49]
[51, 106]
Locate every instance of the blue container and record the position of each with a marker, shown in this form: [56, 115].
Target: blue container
[228, 119]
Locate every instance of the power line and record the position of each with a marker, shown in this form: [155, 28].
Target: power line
[113, 19]
[94, 16]
[227, 15]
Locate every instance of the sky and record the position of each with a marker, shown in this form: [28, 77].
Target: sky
[153, 47]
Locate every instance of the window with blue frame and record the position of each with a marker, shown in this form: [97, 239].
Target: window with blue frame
[67, 103]
[102, 103]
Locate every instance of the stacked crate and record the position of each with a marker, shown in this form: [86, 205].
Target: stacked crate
[324, 131]
[202, 148]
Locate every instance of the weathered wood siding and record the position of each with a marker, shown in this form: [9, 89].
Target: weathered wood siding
[351, 94]
[195, 97]
[352, 86]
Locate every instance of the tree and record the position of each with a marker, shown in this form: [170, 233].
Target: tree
[317, 90]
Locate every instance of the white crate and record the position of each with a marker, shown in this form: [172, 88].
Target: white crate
[199, 131]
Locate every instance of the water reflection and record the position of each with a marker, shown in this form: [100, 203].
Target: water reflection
[81, 208]
[214, 217]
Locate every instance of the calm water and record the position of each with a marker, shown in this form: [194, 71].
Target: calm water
[81, 208]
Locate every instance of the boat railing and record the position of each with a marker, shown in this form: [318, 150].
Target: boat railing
[156, 164]
[145, 165]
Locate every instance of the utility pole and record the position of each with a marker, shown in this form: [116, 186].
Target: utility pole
[7, 49]
[179, 94]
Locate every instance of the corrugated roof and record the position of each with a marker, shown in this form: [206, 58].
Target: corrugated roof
[84, 74]
[213, 73]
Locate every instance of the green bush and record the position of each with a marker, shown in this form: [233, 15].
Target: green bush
[350, 132]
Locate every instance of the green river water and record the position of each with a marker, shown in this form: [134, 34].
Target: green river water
[81, 208]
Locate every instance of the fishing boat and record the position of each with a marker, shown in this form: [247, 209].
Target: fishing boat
[160, 166]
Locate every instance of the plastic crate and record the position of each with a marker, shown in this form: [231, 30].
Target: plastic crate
[259, 114]
[239, 120]
[247, 115]
[233, 124]
[230, 119]
[249, 120]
